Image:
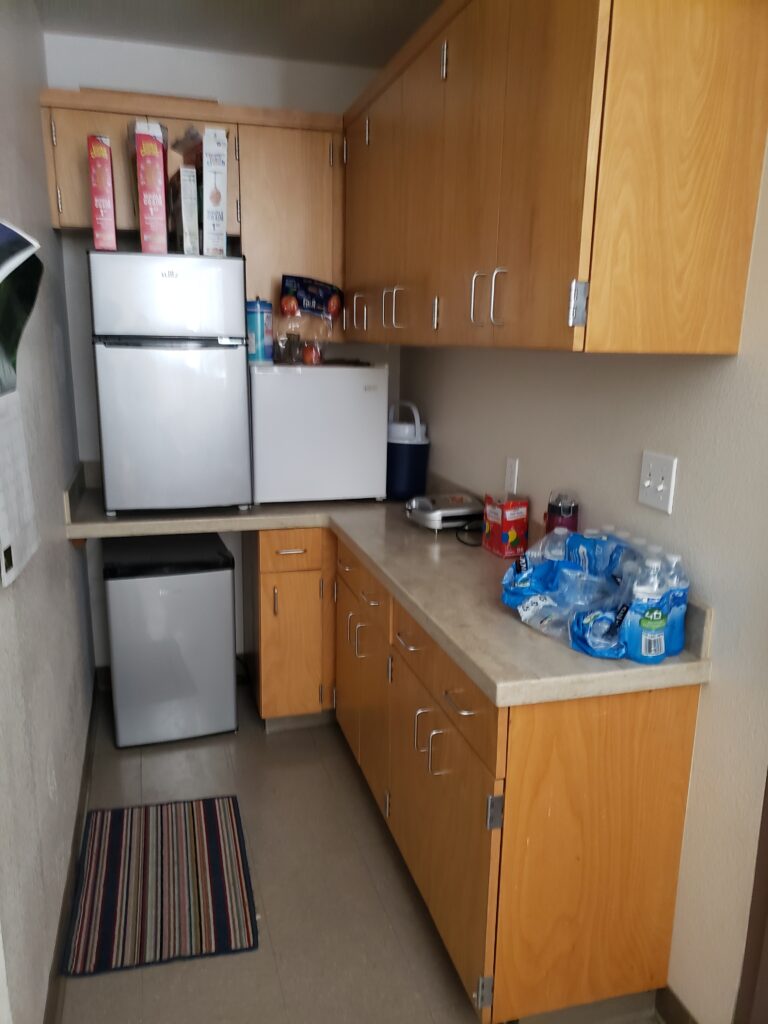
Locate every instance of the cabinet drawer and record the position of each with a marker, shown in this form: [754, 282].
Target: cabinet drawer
[375, 602]
[482, 724]
[290, 550]
[348, 568]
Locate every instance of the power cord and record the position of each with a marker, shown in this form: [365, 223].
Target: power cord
[472, 528]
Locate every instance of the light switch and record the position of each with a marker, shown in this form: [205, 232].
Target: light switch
[657, 481]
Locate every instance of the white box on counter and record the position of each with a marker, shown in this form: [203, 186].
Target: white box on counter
[214, 192]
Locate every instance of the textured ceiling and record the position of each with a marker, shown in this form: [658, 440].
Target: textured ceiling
[361, 32]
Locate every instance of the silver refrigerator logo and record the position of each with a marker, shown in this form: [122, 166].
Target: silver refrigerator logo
[370, 387]
[169, 273]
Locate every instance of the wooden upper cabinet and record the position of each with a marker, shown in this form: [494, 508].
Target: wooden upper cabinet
[287, 190]
[471, 168]
[177, 128]
[358, 251]
[552, 59]
[68, 137]
[684, 131]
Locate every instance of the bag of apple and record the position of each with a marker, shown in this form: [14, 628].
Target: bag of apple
[309, 308]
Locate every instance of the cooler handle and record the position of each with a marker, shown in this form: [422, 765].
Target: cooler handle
[414, 410]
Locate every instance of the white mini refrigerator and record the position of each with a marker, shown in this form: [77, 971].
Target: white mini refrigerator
[171, 617]
[319, 432]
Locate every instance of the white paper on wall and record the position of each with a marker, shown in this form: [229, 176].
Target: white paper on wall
[19, 538]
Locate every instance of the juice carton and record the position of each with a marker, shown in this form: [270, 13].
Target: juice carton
[148, 145]
[505, 530]
[102, 192]
[214, 192]
[183, 191]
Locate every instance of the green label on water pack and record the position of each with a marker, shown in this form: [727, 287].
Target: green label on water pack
[653, 619]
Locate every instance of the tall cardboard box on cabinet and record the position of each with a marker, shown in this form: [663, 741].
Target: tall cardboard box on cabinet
[214, 192]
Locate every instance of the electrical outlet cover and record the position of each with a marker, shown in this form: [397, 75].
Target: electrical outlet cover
[657, 481]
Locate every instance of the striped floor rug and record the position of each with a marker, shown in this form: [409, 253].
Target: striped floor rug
[159, 883]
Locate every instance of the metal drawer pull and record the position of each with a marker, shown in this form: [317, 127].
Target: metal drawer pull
[416, 717]
[350, 616]
[274, 600]
[395, 290]
[355, 297]
[370, 601]
[435, 732]
[404, 643]
[291, 551]
[494, 276]
[384, 293]
[358, 627]
[459, 711]
[475, 278]
[344, 568]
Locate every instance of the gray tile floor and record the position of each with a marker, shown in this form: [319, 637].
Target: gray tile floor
[343, 934]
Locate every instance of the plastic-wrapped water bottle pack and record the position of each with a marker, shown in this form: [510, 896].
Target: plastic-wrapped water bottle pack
[602, 592]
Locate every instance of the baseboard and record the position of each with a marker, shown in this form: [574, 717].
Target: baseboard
[671, 1009]
[53, 1002]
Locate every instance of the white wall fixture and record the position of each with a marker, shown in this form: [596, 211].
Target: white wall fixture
[657, 481]
[510, 478]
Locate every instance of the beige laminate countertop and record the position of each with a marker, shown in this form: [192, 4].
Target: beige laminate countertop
[451, 590]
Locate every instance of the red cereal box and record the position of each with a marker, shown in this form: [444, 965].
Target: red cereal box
[102, 192]
[505, 530]
[147, 139]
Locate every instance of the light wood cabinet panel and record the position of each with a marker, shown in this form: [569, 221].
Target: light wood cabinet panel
[595, 802]
[70, 156]
[550, 70]
[290, 550]
[328, 593]
[290, 643]
[684, 129]
[472, 150]
[358, 251]
[287, 207]
[372, 652]
[347, 671]
[177, 129]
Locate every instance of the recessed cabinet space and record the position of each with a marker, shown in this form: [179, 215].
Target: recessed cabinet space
[177, 128]
[596, 167]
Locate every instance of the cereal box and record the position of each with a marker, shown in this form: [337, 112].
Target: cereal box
[147, 137]
[505, 531]
[102, 192]
[214, 192]
[183, 190]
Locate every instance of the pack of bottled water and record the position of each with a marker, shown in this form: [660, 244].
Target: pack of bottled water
[604, 592]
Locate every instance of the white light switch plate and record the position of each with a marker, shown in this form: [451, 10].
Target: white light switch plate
[657, 481]
[510, 478]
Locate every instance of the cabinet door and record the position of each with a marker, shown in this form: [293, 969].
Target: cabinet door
[421, 171]
[70, 156]
[412, 711]
[358, 251]
[286, 207]
[463, 853]
[347, 673]
[329, 586]
[684, 127]
[290, 643]
[472, 144]
[372, 652]
[177, 129]
[550, 72]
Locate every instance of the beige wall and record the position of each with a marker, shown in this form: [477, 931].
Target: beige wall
[581, 423]
[45, 670]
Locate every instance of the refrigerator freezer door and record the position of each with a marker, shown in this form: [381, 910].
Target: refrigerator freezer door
[136, 295]
[174, 426]
[319, 432]
[172, 644]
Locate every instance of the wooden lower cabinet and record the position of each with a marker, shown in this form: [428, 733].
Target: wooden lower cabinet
[290, 643]
[347, 674]
[373, 673]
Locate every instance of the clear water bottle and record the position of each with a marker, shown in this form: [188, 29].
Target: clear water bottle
[678, 585]
[553, 545]
[645, 625]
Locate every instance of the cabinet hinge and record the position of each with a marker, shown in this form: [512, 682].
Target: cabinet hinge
[577, 303]
[237, 209]
[494, 812]
[322, 588]
[58, 198]
[367, 131]
[344, 150]
[335, 591]
[435, 312]
[483, 996]
[389, 668]
[333, 695]
[321, 694]
[237, 146]
[54, 139]
[444, 60]
[387, 803]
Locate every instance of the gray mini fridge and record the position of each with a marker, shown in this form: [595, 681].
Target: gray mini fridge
[171, 617]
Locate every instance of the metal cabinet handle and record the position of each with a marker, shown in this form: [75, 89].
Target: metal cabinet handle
[435, 732]
[404, 643]
[464, 712]
[355, 297]
[291, 551]
[475, 278]
[358, 627]
[384, 293]
[416, 717]
[395, 324]
[344, 568]
[274, 600]
[350, 616]
[370, 601]
[497, 272]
